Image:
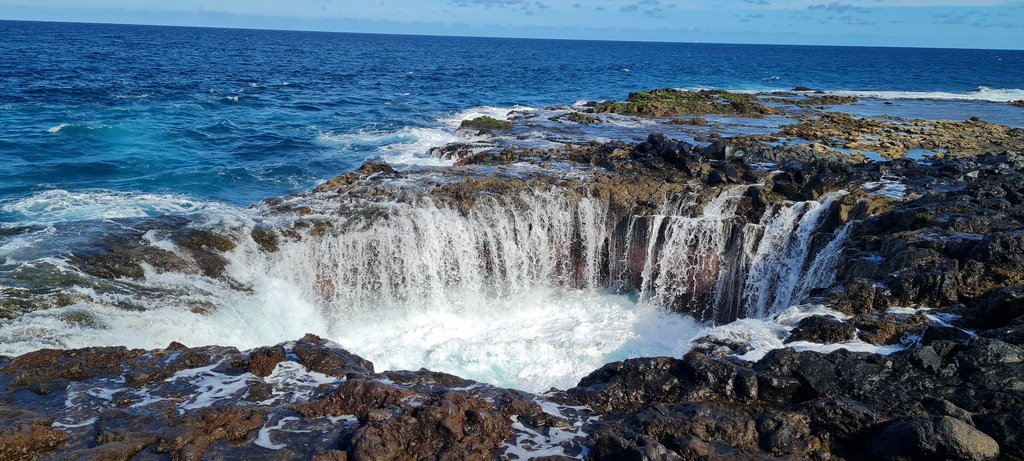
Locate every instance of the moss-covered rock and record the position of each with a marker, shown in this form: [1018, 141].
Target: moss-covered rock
[583, 119]
[266, 239]
[674, 103]
[485, 124]
[367, 170]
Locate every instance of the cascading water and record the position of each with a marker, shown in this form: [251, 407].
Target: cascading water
[709, 263]
[530, 290]
[436, 255]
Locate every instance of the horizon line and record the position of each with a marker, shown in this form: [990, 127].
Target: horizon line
[497, 37]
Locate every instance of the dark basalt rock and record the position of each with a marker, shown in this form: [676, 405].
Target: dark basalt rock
[822, 330]
[809, 402]
[887, 329]
[939, 437]
[1001, 307]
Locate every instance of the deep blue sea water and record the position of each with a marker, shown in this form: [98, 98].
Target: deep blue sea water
[109, 112]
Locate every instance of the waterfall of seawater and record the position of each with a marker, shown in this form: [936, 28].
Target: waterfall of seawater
[528, 290]
[700, 258]
[436, 255]
[707, 261]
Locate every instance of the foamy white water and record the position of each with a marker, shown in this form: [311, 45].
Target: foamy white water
[981, 94]
[547, 339]
[53, 206]
[411, 145]
[764, 335]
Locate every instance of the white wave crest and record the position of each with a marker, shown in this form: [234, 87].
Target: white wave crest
[75, 127]
[411, 145]
[407, 146]
[499, 113]
[59, 205]
[981, 94]
[58, 128]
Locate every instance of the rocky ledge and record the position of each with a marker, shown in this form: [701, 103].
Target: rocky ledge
[946, 398]
[932, 268]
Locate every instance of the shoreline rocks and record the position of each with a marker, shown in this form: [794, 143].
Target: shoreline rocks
[956, 399]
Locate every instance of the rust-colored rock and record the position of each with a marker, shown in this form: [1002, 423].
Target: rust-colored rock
[457, 427]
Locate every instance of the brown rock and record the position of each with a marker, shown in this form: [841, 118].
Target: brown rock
[356, 397]
[29, 439]
[190, 436]
[317, 356]
[458, 427]
[47, 370]
[262, 361]
[887, 329]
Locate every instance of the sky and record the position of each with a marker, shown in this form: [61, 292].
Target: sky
[918, 23]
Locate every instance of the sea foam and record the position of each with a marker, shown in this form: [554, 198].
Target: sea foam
[981, 94]
[58, 205]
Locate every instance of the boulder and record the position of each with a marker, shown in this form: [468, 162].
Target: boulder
[940, 437]
[822, 330]
[1002, 306]
[318, 355]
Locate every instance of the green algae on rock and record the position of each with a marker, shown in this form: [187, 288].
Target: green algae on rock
[674, 103]
[583, 119]
[485, 124]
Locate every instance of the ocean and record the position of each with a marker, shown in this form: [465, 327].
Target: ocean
[100, 124]
[236, 116]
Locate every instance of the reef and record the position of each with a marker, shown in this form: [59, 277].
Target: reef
[898, 138]
[922, 258]
[672, 103]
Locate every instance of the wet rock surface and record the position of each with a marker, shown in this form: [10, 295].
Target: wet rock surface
[947, 399]
[212, 403]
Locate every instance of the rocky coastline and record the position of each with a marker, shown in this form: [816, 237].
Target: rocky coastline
[932, 265]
